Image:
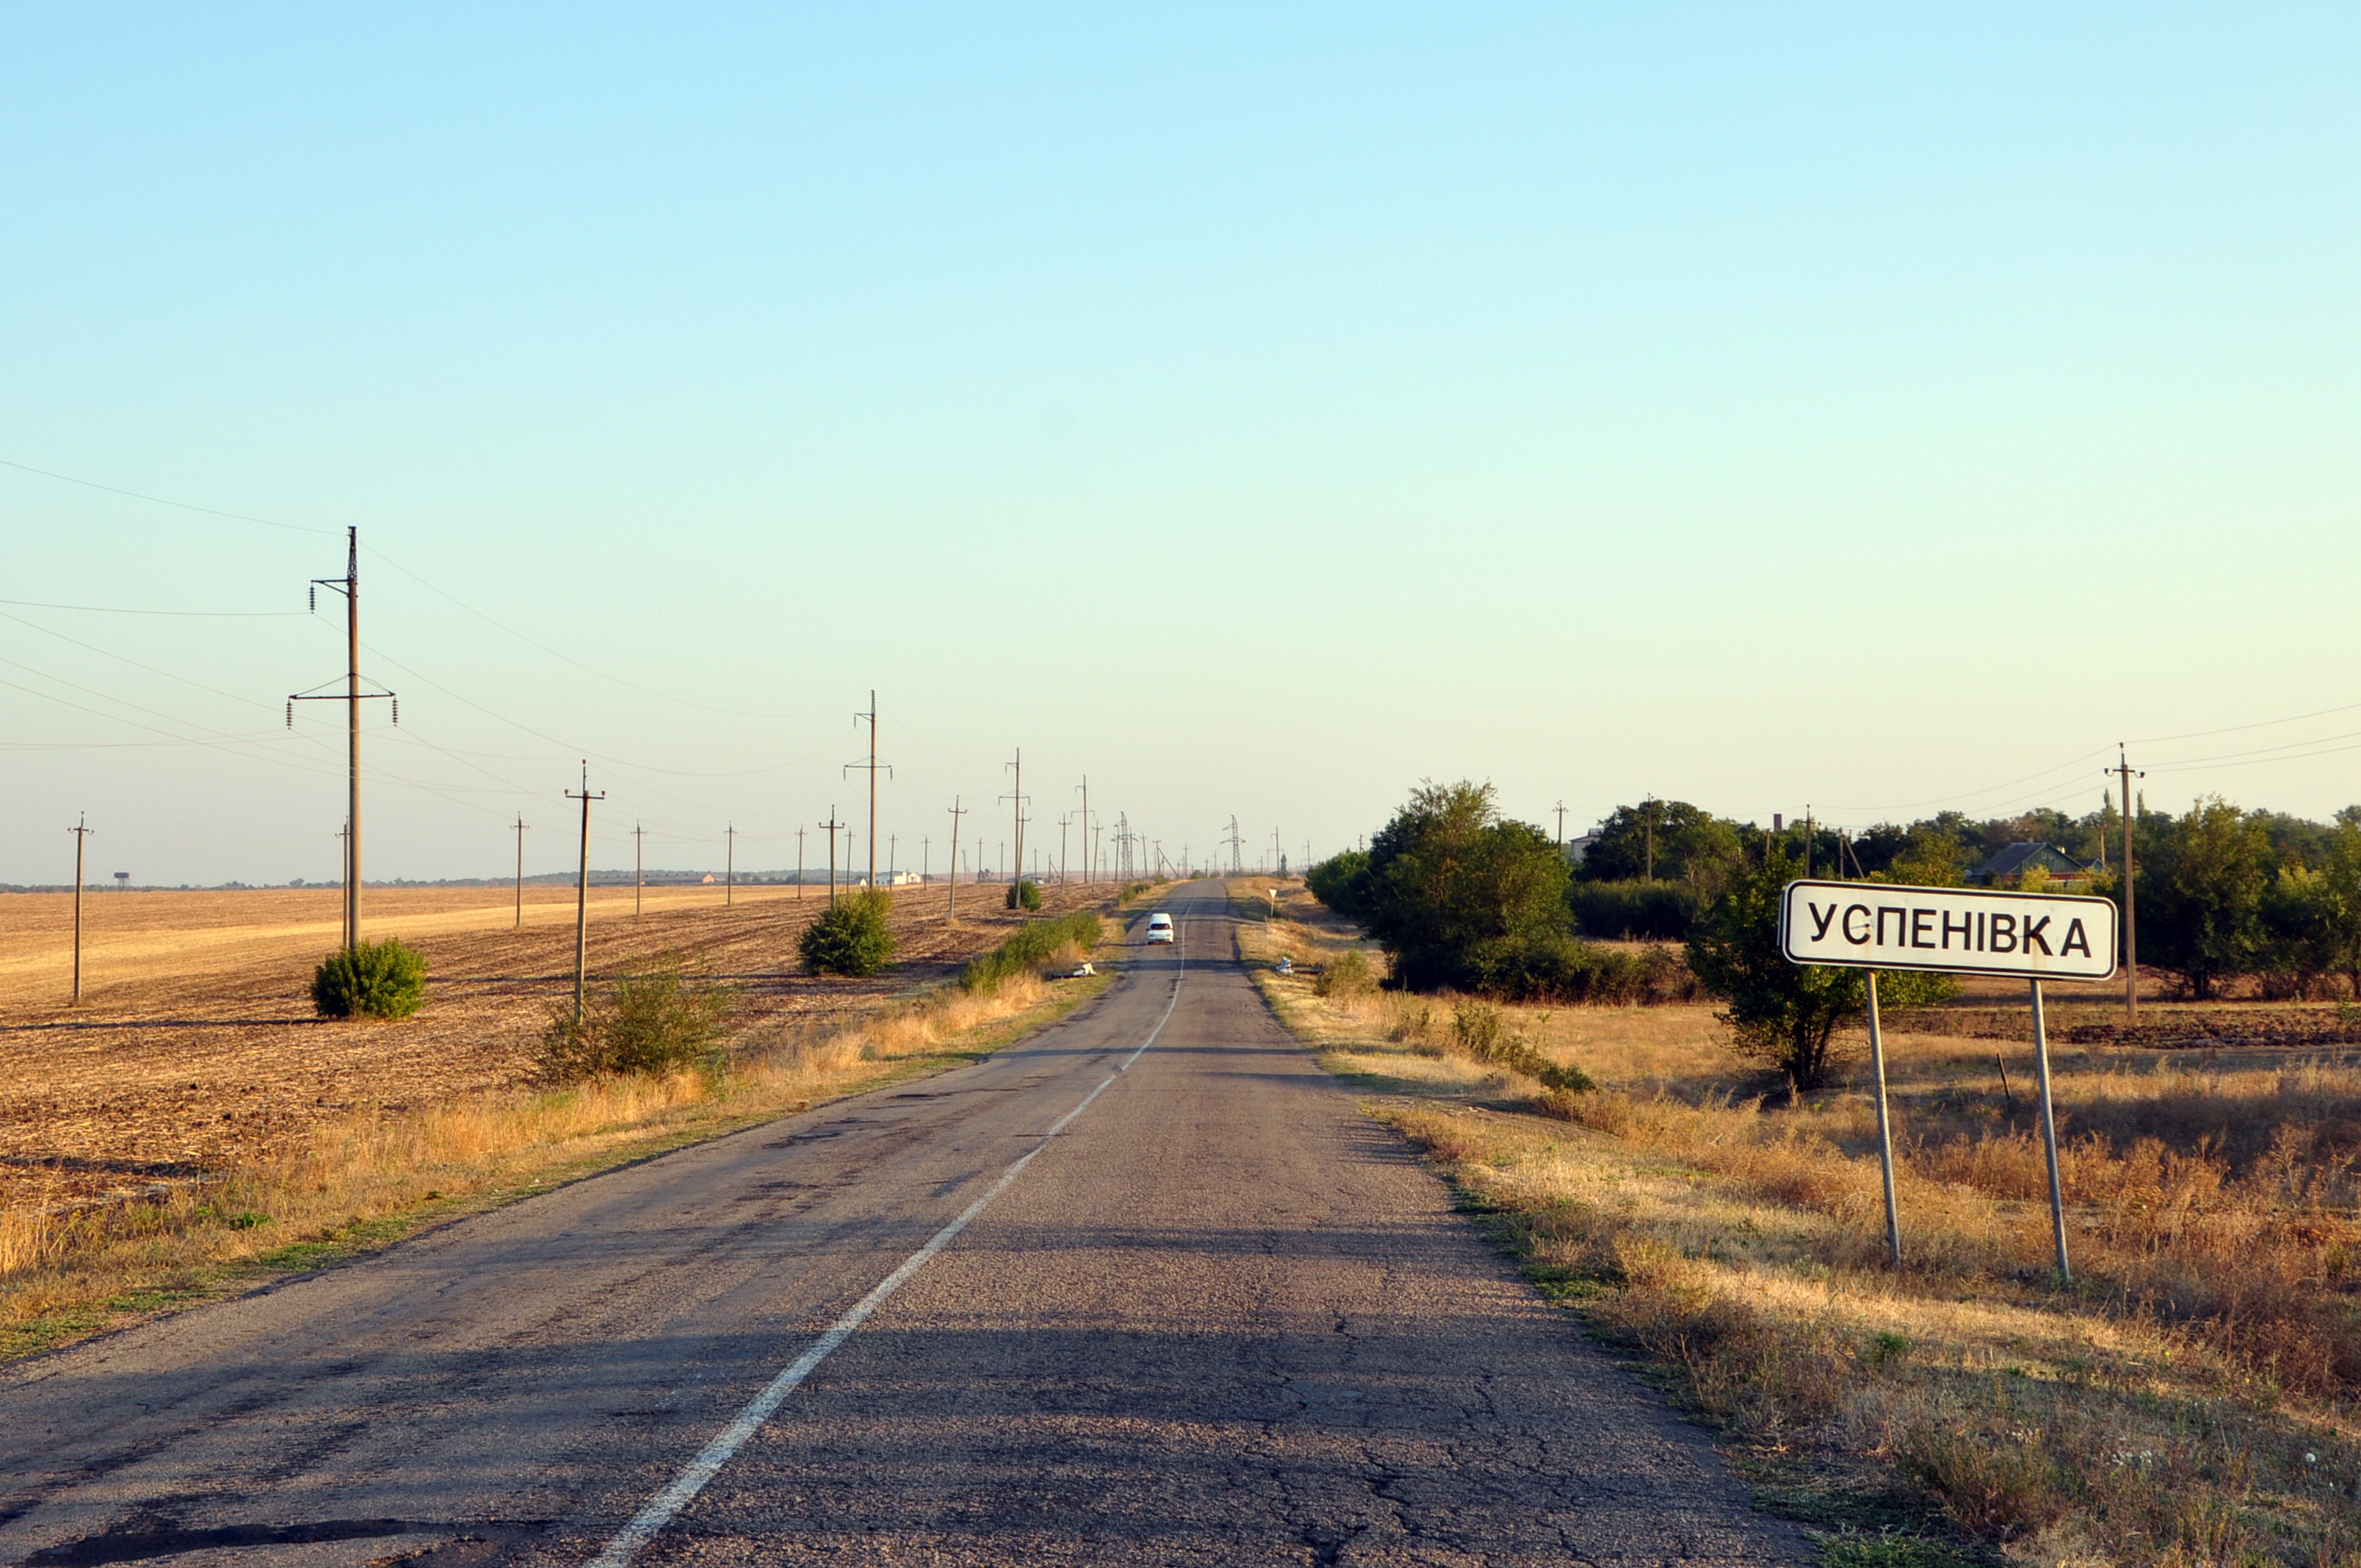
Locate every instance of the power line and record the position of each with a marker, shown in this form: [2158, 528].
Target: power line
[161, 500]
[118, 609]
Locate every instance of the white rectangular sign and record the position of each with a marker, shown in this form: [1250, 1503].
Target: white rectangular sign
[1962, 931]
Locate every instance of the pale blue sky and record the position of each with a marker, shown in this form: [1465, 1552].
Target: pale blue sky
[1257, 410]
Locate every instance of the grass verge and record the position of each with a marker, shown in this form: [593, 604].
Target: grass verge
[2182, 1405]
[381, 1175]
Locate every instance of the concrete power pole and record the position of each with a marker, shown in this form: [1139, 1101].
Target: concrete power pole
[2131, 924]
[82, 832]
[1017, 799]
[350, 584]
[519, 880]
[639, 867]
[1086, 829]
[832, 824]
[950, 908]
[872, 764]
[1561, 828]
[799, 863]
[582, 890]
[729, 866]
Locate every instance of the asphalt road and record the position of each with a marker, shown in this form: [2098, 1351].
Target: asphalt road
[1218, 1316]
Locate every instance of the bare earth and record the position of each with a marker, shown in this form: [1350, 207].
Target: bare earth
[196, 1047]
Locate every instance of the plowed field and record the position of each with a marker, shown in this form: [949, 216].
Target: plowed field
[196, 1046]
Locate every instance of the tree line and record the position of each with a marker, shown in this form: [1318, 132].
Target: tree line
[1461, 898]
[2226, 897]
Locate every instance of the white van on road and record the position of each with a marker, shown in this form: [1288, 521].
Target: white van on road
[1159, 927]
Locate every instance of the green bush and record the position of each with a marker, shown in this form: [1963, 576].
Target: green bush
[851, 937]
[1349, 973]
[384, 980]
[1025, 894]
[1629, 911]
[1556, 967]
[1029, 946]
[649, 1023]
[1479, 1030]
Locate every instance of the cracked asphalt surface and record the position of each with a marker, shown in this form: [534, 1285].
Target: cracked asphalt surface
[1221, 1318]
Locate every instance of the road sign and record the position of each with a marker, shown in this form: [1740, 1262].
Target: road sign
[1958, 930]
[1955, 930]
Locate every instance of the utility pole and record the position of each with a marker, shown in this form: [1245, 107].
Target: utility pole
[729, 866]
[950, 909]
[350, 584]
[582, 890]
[82, 832]
[1086, 829]
[1065, 827]
[1237, 866]
[519, 885]
[1808, 827]
[1561, 832]
[344, 849]
[799, 863]
[872, 764]
[2131, 933]
[831, 825]
[893, 852]
[1650, 805]
[639, 867]
[926, 859]
[1278, 852]
[1017, 799]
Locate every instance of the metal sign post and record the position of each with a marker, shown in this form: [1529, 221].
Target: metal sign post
[1952, 930]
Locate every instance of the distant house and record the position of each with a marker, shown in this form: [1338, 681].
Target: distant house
[2007, 869]
[1576, 849]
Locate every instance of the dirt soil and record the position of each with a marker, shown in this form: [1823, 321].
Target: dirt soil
[196, 1046]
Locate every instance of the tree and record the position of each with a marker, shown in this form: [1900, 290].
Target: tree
[1342, 882]
[1688, 844]
[2202, 879]
[852, 938]
[1448, 877]
[1782, 1013]
[384, 980]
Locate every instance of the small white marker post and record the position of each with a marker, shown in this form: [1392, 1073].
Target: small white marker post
[1952, 930]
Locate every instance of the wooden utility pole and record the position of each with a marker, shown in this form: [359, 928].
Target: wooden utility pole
[82, 832]
[2131, 924]
[950, 909]
[730, 867]
[520, 882]
[350, 584]
[832, 824]
[582, 890]
[639, 867]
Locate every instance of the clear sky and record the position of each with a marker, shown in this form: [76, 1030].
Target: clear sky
[1258, 410]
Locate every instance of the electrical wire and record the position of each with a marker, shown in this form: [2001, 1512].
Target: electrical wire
[118, 609]
[164, 501]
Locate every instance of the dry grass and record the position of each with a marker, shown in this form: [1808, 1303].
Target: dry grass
[368, 1174]
[2189, 1401]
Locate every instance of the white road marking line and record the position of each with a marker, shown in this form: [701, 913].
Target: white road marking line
[666, 1505]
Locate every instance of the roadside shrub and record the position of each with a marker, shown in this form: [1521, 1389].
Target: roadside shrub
[1025, 894]
[1031, 945]
[1554, 968]
[652, 1023]
[1342, 882]
[852, 938]
[384, 980]
[1632, 911]
[1479, 1030]
[1346, 975]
